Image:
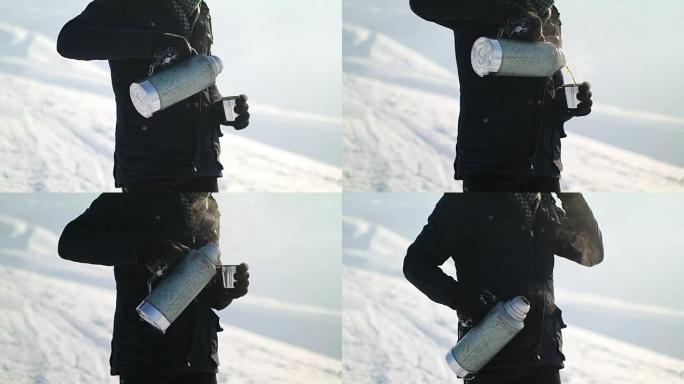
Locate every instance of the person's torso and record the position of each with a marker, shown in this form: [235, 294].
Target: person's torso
[510, 256]
[181, 142]
[190, 343]
[506, 124]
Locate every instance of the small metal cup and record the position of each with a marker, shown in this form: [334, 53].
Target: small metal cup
[228, 275]
[229, 108]
[571, 92]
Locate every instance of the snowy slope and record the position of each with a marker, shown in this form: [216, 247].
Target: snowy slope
[392, 333]
[58, 128]
[400, 129]
[57, 331]
[56, 323]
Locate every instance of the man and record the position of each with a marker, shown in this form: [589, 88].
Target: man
[144, 236]
[177, 149]
[503, 246]
[510, 128]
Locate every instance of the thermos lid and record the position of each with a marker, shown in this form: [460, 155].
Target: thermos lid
[455, 366]
[145, 98]
[153, 316]
[517, 308]
[217, 63]
[486, 56]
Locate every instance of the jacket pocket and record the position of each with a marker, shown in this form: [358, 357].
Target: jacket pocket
[559, 324]
[214, 328]
[136, 144]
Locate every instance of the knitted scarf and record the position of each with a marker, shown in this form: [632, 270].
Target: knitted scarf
[187, 11]
[540, 6]
[528, 203]
[194, 206]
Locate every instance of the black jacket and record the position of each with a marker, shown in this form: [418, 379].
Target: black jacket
[506, 125]
[109, 233]
[494, 248]
[181, 142]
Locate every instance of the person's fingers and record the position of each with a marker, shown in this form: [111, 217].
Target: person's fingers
[585, 105]
[240, 109]
[237, 293]
[583, 109]
[584, 87]
[242, 121]
[241, 284]
[242, 268]
[584, 96]
[241, 100]
[241, 276]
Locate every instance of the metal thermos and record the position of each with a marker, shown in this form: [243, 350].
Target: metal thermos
[488, 337]
[501, 57]
[177, 83]
[173, 294]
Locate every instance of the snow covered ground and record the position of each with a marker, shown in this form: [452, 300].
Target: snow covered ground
[400, 122]
[392, 333]
[57, 121]
[56, 322]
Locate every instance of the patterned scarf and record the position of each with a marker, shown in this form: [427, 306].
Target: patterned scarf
[194, 205]
[187, 11]
[528, 203]
[540, 6]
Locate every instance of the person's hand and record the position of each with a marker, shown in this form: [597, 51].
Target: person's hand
[473, 303]
[241, 282]
[222, 297]
[241, 108]
[160, 252]
[170, 48]
[584, 107]
[524, 26]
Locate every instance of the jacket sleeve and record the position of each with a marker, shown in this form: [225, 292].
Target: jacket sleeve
[446, 227]
[96, 236]
[97, 34]
[214, 93]
[578, 238]
[448, 13]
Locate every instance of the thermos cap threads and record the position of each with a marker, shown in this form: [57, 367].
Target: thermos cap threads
[152, 315]
[517, 308]
[486, 56]
[145, 98]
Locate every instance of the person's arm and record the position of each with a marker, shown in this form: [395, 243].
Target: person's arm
[448, 228]
[95, 238]
[432, 249]
[450, 12]
[98, 34]
[579, 238]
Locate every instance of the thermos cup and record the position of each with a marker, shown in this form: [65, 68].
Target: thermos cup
[177, 83]
[228, 275]
[571, 91]
[229, 104]
[173, 294]
[502, 57]
[488, 337]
